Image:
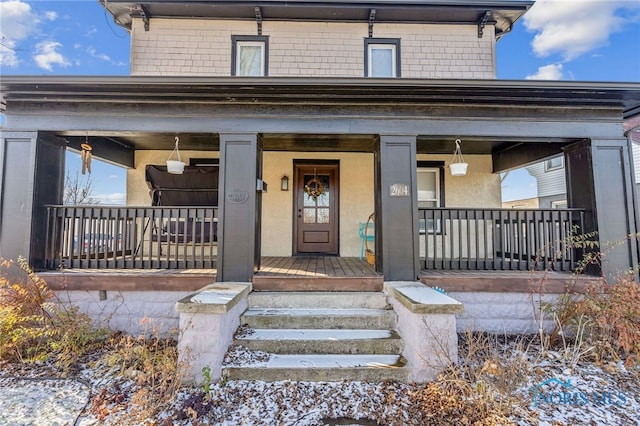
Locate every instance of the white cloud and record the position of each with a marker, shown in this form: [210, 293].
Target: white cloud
[8, 57]
[17, 20]
[574, 27]
[547, 72]
[92, 51]
[47, 55]
[51, 15]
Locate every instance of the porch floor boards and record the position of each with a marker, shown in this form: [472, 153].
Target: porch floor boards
[316, 273]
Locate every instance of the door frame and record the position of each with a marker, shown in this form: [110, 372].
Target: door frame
[334, 164]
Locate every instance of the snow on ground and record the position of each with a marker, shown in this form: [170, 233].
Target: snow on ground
[556, 393]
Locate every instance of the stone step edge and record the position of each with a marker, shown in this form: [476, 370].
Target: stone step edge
[330, 361]
[306, 312]
[367, 375]
[316, 334]
[311, 299]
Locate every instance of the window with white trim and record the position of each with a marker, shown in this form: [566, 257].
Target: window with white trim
[430, 183]
[382, 57]
[249, 56]
[428, 187]
[554, 163]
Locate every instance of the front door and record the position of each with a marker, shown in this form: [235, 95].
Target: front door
[316, 208]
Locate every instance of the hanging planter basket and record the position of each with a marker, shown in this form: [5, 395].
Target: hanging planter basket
[175, 166]
[458, 166]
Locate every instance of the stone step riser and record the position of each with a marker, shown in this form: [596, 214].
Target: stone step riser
[334, 326]
[372, 375]
[390, 346]
[372, 321]
[318, 300]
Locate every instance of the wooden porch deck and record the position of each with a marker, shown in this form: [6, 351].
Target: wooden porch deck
[310, 273]
[316, 273]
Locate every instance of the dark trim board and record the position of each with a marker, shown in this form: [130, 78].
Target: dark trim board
[129, 280]
[506, 281]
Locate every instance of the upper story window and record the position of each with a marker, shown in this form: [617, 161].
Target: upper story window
[554, 163]
[249, 56]
[382, 57]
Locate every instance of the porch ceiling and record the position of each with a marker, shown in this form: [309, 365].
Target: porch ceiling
[228, 99]
[133, 141]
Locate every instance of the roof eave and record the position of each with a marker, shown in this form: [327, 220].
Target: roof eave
[504, 13]
[290, 89]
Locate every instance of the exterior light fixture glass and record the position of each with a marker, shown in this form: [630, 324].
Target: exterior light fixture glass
[284, 183]
[458, 166]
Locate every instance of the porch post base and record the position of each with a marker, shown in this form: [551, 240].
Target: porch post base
[427, 325]
[208, 320]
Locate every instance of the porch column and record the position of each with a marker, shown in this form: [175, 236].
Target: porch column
[31, 176]
[396, 208]
[238, 251]
[600, 179]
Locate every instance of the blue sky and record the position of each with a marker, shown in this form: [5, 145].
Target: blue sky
[581, 40]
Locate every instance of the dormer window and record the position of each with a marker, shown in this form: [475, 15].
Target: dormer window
[382, 57]
[249, 56]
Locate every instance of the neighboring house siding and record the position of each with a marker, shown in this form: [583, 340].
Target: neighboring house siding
[311, 49]
[636, 161]
[550, 182]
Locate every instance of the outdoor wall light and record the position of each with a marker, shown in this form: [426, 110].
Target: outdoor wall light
[284, 183]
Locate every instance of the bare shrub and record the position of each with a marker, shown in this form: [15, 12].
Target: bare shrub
[34, 326]
[481, 388]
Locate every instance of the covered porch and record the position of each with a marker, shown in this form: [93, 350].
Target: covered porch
[179, 238]
[374, 136]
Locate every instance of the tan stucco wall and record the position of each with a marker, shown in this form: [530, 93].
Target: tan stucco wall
[310, 49]
[356, 200]
[137, 189]
[478, 188]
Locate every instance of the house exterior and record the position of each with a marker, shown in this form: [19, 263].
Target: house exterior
[550, 174]
[316, 115]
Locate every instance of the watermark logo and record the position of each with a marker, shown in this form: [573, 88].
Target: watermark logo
[556, 392]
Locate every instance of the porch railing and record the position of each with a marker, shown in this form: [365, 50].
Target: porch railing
[131, 237]
[498, 239]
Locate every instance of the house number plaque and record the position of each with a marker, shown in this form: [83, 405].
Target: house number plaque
[237, 196]
[399, 190]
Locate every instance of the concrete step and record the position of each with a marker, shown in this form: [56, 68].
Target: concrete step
[318, 300]
[374, 319]
[322, 341]
[369, 368]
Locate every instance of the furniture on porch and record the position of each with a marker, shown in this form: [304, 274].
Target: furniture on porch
[195, 186]
[366, 231]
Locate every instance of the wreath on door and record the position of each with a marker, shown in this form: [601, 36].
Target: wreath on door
[314, 188]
